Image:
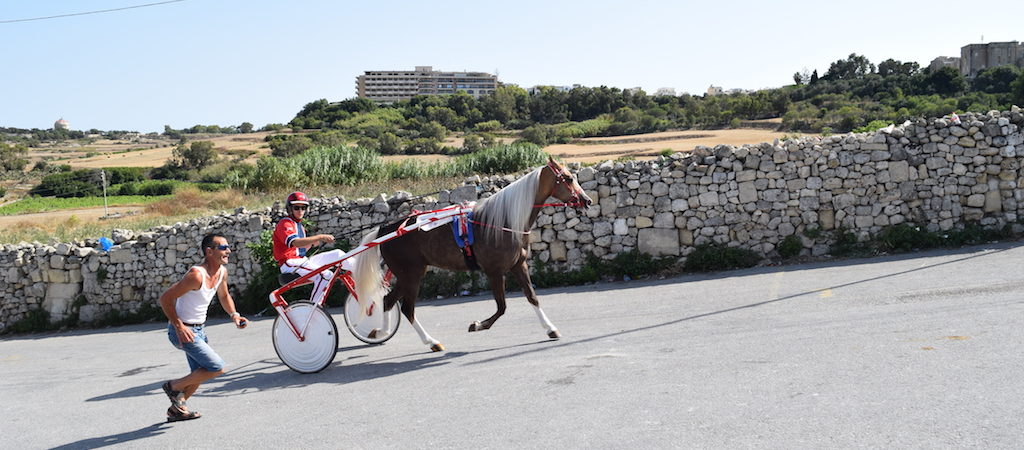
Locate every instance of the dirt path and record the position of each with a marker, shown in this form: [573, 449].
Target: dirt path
[52, 218]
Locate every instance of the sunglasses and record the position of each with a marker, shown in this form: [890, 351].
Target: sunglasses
[222, 247]
[299, 207]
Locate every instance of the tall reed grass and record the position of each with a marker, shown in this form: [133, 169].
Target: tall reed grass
[332, 166]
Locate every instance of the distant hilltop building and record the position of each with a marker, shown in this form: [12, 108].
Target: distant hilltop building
[714, 90]
[945, 61]
[389, 86]
[977, 57]
[61, 124]
[665, 91]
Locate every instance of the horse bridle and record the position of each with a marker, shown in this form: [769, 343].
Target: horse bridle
[560, 179]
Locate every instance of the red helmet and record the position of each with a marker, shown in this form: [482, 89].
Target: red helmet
[297, 198]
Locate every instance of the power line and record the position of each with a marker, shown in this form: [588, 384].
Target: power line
[90, 12]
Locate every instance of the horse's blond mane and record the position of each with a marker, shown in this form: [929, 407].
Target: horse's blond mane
[508, 208]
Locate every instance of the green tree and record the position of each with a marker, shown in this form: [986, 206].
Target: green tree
[196, 155]
[508, 103]
[894, 67]
[995, 80]
[245, 127]
[944, 81]
[1017, 89]
[854, 66]
[433, 130]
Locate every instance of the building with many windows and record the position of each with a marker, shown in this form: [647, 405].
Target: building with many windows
[389, 86]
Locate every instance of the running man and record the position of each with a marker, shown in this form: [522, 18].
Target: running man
[185, 304]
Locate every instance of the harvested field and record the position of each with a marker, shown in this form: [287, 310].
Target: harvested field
[651, 145]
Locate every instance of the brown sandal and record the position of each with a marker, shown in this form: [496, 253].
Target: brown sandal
[177, 398]
[177, 415]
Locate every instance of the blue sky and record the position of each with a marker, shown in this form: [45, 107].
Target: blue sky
[225, 62]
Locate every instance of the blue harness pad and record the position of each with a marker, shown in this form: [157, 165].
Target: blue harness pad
[462, 228]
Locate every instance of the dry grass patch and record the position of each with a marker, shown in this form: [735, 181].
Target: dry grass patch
[190, 199]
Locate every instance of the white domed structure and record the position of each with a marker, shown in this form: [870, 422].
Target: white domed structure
[61, 124]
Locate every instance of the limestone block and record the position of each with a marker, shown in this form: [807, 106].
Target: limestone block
[993, 202]
[585, 174]
[664, 220]
[466, 193]
[558, 251]
[899, 171]
[602, 229]
[620, 227]
[55, 276]
[59, 297]
[747, 192]
[658, 241]
[708, 199]
[976, 200]
[120, 255]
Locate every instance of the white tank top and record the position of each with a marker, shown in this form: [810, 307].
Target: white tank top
[191, 307]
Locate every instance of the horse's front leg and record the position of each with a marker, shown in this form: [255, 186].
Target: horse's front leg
[522, 274]
[497, 282]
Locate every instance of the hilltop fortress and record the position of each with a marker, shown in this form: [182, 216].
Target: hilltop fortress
[932, 172]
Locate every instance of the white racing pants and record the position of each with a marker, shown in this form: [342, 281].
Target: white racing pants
[303, 266]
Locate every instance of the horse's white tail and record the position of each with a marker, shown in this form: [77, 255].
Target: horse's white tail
[367, 274]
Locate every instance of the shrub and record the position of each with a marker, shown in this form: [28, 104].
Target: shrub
[790, 246]
[847, 244]
[79, 183]
[539, 134]
[3, 192]
[490, 125]
[872, 126]
[147, 188]
[118, 175]
[712, 257]
[169, 171]
[905, 237]
[447, 283]
[284, 146]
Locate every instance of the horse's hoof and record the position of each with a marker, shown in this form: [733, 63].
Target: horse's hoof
[475, 326]
[437, 348]
[554, 334]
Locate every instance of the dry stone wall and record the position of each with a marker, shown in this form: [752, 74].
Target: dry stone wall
[931, 172]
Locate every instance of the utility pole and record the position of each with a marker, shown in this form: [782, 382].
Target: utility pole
[103, 179]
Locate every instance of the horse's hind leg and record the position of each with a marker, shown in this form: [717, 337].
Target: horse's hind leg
[522, 274]
[407, 289]
[498, 289]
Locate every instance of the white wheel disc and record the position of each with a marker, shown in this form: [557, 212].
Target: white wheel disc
[317, 350]
[360, 325]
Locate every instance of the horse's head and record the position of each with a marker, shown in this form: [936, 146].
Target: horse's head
[564, 186]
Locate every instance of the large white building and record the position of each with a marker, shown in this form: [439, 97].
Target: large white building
[389, 86]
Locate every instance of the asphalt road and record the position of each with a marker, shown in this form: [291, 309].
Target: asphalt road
[912, 351]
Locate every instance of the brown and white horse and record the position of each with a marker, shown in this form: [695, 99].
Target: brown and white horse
[501, 225]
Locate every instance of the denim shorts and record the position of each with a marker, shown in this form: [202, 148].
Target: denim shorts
[198, 352]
